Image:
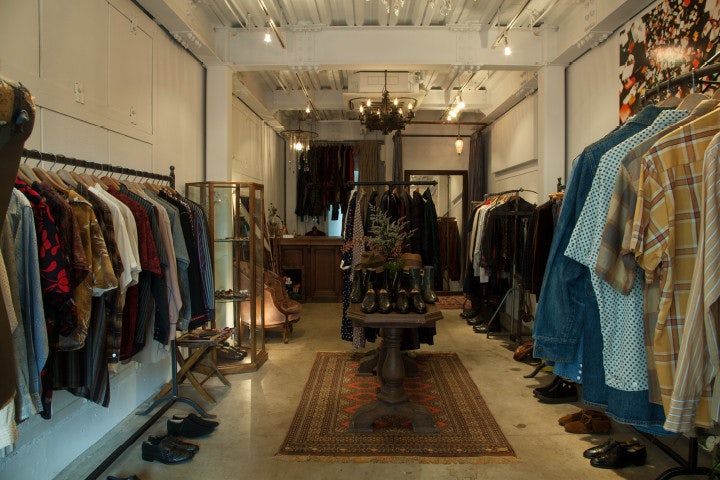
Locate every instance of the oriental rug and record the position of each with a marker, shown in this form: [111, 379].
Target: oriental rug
[468, 433]
[452, 302]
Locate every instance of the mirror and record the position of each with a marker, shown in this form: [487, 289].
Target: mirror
[450, 198]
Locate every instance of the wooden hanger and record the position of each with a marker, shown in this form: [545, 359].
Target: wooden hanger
[55, 181]
[26, 173]
[716, 95]
[670, 101]
[691, 101]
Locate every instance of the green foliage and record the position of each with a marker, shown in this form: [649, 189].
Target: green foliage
[387, 238]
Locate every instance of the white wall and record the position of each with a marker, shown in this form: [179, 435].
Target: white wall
[111, 93]
[592, 103]
[512, 162]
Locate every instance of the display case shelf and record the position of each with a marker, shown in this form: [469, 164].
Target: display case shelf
[235, 213]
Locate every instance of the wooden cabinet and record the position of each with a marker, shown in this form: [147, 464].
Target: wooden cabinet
[313, 266]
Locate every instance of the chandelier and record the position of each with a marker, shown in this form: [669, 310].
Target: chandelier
[385, 116]
[299, 141]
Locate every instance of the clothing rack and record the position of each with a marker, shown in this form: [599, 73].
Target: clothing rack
[342, 142]
[687, 466]
[99, 167]
[359, 184]
[687, 78]
[516, 288]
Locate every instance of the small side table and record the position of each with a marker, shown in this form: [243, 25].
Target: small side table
[392, 399]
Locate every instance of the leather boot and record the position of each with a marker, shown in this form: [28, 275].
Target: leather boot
[358, 285]
[416, 298]
[402, 300]
[369, 303]
[383, 295]
[429, 284]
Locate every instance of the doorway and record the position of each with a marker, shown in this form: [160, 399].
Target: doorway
[451, 204]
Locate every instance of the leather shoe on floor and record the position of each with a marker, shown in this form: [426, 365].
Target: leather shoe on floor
[603, 448]
[469, 313]
[542, 390]
[589, 424]
[187, 428]
[197, 419]
[563, 392]
[172, 442]
[620, 456]
[163, 454]
[573, 417]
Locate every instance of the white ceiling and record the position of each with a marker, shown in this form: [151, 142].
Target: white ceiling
[336, 50]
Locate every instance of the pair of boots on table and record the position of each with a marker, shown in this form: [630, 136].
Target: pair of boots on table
[384, 291]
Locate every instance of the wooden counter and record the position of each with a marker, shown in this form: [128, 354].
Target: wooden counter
[314, 264]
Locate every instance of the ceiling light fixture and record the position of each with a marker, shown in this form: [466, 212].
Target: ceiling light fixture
[508, 50]
[267, 38]
[385, 116]
[459, 142]
[299, 141]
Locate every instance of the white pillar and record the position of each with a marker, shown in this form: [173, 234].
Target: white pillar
[551, 128]
[218, 124]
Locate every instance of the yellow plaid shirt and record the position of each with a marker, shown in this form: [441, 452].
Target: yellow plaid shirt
[665, 234]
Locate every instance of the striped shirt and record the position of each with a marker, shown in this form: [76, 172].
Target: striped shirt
[698, 359]
[665, 232]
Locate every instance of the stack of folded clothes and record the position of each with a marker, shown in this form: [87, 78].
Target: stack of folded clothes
[170, 448]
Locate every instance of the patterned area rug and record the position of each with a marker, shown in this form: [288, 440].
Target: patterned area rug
[468, 433]
[451, 302]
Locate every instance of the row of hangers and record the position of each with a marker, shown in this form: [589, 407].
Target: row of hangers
[63, 179]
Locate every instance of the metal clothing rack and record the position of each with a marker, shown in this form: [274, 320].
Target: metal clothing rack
[516, 289]
[359, 184]
[687, 466]
[99, 167]
[687, 78]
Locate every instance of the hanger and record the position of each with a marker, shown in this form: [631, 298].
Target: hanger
[691, 101]
[26, 173]
[670, 101]
[55, 181]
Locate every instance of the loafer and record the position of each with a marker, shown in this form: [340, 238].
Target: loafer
[194, 417]
[620, 456]
[187, 428]
[164, 454]
[603, 448]
[172, 442]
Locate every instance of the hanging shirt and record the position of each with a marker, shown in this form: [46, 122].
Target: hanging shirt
[665, 232]
[698, 356]
[621, 316]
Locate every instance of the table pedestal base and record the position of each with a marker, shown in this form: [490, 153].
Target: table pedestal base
[420, 417]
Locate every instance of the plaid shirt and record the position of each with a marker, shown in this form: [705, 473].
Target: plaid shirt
[698, 359]
[665, 232]
[615, 264]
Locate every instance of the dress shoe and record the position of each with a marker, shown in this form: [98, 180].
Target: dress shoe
[197, 419]
[469, 313]
[187, 428]
[620, 456]
[548, 387]
[563, 392]
[172, 442]
[485, 328]
[603, 448]
[167, 455]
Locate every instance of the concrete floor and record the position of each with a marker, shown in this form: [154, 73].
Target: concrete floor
[256, 411]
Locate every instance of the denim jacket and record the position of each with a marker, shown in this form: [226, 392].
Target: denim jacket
[567, 298]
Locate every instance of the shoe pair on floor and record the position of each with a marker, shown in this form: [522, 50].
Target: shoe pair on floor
[169, 449]
[587, 421]
[559, 391]
[615, 454]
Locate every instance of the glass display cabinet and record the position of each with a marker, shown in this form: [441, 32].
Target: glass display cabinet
[235, 213]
